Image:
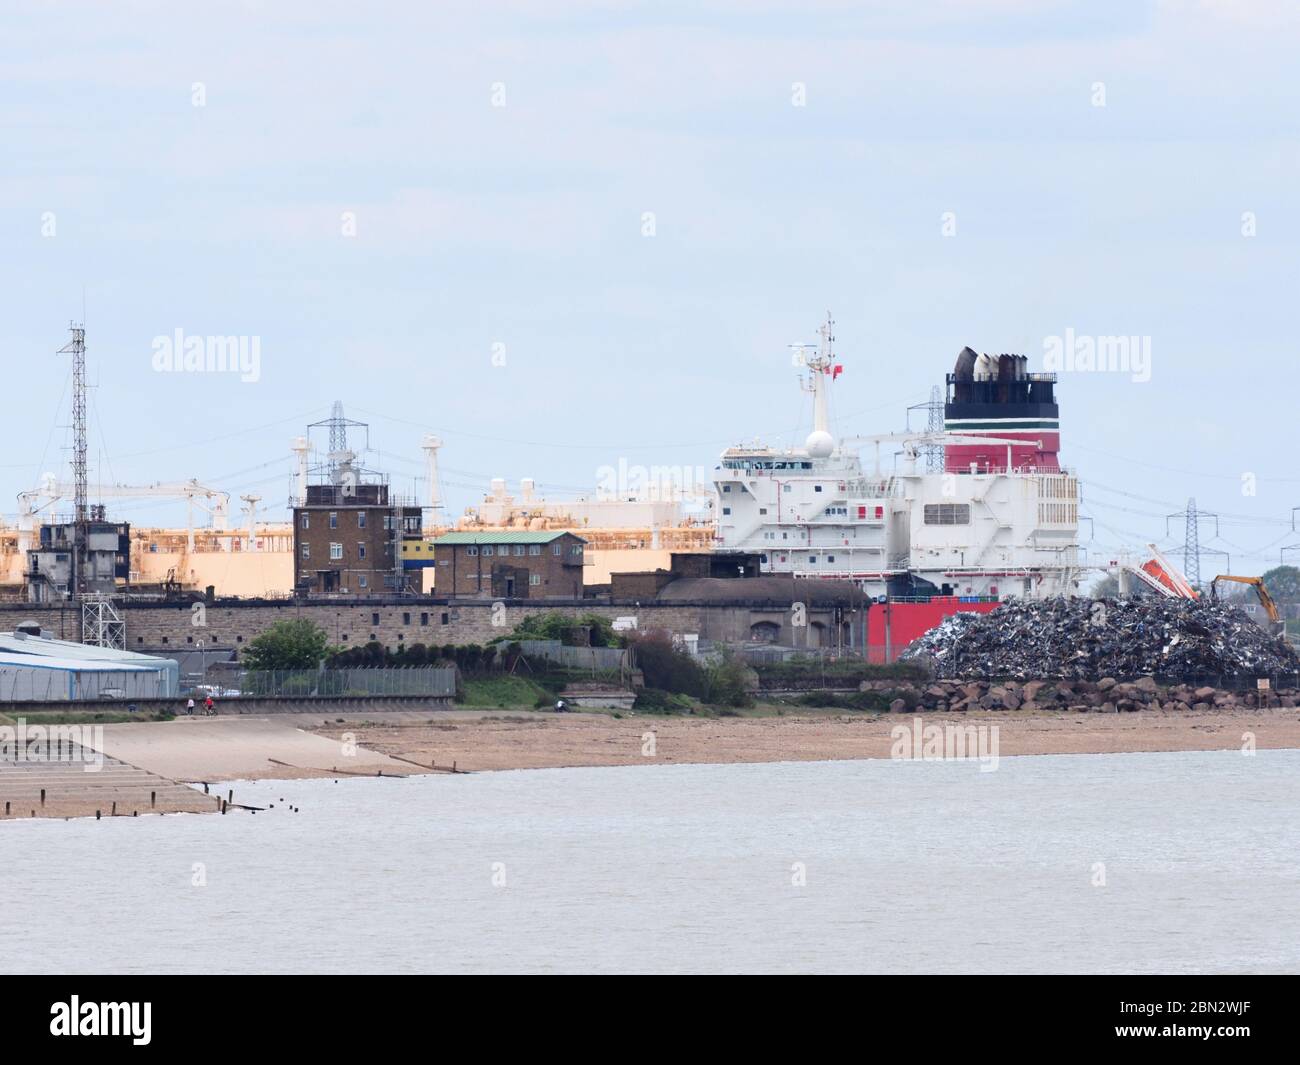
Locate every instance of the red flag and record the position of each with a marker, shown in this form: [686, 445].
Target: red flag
[836, 371]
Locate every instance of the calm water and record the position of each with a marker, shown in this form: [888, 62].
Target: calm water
[911, 867]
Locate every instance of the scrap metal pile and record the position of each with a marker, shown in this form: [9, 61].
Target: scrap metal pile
[1086, 639]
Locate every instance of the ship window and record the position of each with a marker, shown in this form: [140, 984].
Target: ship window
[830, 558]
[726, 510]
[762, 510]
[812, 560]
[947, 514]
[726, 488]
[785, 488]
[817, 488]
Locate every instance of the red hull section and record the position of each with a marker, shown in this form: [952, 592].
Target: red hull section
[892, 626]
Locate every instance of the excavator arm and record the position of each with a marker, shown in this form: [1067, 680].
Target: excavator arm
[1265, 600]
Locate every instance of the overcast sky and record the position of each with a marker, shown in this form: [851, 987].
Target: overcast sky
[386, 196]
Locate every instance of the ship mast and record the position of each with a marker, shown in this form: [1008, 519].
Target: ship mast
[821, 372]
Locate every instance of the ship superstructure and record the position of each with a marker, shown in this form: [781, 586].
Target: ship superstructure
[1000, 520]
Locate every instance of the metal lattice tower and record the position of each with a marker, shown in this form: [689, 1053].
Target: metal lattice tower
[1191, 518]
[1192, 546]
[338, 425]
[934, 456]
[933, 408]
[76, 347]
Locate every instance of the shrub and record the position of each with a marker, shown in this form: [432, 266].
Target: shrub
[666, 668]
[729, 682]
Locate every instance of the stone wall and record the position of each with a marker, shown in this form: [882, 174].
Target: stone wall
[232, 623]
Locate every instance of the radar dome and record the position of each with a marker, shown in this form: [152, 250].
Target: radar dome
[819, 444]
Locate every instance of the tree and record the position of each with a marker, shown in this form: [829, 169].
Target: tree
[294, 644]
[1283, 583]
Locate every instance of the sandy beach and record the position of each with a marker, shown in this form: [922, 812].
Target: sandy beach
[147, 765]
[506, 740]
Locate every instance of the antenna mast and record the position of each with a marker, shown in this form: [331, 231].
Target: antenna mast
[76, 347]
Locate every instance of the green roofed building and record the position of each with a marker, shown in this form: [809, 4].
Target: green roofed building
[509, 565]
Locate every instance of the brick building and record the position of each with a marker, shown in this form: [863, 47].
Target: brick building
[348, 540]
[509, 565]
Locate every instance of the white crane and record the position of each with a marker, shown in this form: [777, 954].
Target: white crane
[212, 500]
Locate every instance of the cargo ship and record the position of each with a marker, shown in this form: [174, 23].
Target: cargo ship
[981, 509]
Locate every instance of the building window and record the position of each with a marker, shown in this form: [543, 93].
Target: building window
[361, 550]
[445, 618]
[487, 549]
[555, 550]
[471, 550]
[361, 519]
[534, 549]
[306, 550]
[424, 617]
[336, 552]
[947, 514]
[306, 520]
[362, 581]
[534, 578]
[374, 620]
[519, 549]
[334, 519]
[406, 618]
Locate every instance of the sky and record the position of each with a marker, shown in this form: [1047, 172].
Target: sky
[563, 236]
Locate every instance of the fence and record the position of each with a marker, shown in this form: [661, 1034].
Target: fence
[422, 680]
[596, 659]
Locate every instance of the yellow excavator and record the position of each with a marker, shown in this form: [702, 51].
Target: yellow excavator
[1265, 600]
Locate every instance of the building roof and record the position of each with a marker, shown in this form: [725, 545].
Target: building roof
[504, 537]
[43, 647]
[8, 660]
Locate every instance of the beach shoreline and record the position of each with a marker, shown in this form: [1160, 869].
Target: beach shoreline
[215, 751]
